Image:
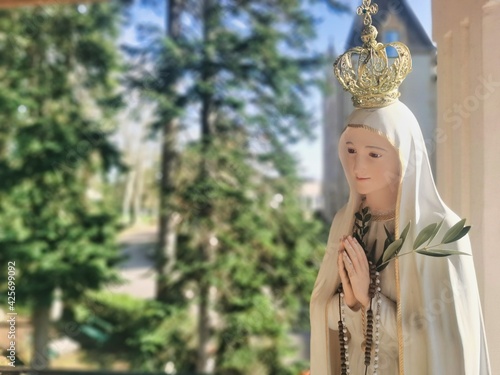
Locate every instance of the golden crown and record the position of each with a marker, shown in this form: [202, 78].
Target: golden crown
[365, 71]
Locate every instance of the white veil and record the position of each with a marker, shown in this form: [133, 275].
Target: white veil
[440, 325]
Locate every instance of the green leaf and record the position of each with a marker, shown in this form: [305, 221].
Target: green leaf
[358, 216]
[436, 230]
[432, 253]
[424, 235]
[440, 252]
[454, 232]
[368, 217]
[405, 231]
[462, 233]
[392, 250]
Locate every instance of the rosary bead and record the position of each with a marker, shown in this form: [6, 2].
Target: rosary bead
[371, 326]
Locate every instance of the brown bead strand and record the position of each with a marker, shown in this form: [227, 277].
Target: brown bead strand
[369, 316]
[344, 355]
[371, 328]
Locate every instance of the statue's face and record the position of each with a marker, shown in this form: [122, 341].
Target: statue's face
[370, 162]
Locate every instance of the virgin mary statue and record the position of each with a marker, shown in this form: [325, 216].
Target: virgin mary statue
[374, 310]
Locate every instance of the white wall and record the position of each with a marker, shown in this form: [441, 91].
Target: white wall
[468, 151]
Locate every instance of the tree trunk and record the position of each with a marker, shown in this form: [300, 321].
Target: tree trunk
[41, 324]
[127, 197]
[203, 330]
[166, 248]
[207, 315]
[206, 349]
[139, 188]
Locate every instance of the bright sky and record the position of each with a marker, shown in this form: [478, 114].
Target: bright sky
[334, 29]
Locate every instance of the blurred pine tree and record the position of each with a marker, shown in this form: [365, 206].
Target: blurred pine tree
[58, 95]
[240, 251]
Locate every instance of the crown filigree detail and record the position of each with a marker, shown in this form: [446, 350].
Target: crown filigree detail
[366, 72]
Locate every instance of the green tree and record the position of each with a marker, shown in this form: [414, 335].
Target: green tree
[262, 257]
[58, 95]
[247, 257]
[146, 334]
[253, 322]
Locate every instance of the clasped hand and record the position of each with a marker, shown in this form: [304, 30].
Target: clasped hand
[354, 273]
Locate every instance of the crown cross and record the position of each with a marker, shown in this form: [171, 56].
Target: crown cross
[366, 10]
[365, 71]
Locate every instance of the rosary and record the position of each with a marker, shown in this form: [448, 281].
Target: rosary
[368, 324]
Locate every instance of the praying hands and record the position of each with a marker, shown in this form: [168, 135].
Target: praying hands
[354, 272]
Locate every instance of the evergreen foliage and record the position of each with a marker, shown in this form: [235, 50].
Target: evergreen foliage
[144, 333]
[58, 95]
[247, 254]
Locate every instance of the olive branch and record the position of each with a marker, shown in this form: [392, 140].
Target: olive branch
[421, 245]
[425, 236]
